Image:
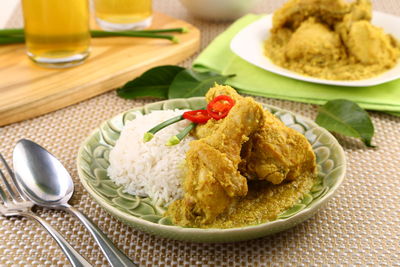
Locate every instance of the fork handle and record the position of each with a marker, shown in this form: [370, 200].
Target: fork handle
[114, 256]
[73, 256]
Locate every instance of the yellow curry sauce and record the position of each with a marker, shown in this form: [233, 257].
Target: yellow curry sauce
[263, 202]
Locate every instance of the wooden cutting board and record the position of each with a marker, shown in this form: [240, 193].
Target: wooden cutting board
[27, 90]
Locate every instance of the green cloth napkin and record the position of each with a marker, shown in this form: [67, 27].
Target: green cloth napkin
[256, 81]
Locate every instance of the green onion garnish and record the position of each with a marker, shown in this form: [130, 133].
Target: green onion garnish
[150, 133]
[174, 140]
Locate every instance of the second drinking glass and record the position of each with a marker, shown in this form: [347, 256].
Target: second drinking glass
[120, 15]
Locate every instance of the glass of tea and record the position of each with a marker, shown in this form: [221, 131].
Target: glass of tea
[57, 31]
[120, 15]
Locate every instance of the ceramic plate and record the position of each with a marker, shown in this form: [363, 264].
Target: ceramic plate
[146, 214]
[248, 44]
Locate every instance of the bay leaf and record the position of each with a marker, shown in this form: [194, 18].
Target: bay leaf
[152, 83]
[347, 118]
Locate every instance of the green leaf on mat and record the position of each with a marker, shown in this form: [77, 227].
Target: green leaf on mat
[347, 118]
[189, 83]
[153, 83]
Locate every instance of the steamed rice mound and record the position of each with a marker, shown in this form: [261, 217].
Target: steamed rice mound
[150, 169]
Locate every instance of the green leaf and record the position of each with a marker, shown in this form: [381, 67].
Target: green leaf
[189, 83]
[153, 83]
[347, 118]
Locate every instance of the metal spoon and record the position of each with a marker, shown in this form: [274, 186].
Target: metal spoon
[47, 183]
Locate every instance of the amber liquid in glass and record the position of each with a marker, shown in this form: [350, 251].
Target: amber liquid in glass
[57, 31]
[123, 14]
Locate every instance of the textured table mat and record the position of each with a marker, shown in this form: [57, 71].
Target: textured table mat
[359, 226]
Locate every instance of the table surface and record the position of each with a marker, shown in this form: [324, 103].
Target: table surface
[359, 226]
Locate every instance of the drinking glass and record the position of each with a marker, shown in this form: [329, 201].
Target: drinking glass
[120, 15]
[57, 31]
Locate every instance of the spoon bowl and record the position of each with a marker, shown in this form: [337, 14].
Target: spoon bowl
[41, 175]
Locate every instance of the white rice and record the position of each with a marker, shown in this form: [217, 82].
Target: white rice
[150, 169]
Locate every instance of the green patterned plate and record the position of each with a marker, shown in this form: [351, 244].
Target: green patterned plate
[146, 214]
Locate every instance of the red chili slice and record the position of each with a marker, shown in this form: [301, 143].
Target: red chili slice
[197, 116]
[219, 107]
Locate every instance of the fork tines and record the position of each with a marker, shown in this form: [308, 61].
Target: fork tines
[15, 195]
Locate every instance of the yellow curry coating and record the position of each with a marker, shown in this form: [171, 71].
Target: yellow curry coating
[274, 151]
[314, 42]
[330, 39]
[249, 144]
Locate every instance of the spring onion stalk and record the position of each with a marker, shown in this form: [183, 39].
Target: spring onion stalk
[179, 30]
[9, 36]
[101, 34]
[20, 31]
[150, 133]
[97, 33]
[11, 32]
[11, 40]
[174, 140]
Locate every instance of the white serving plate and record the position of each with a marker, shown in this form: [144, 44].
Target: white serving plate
[248, 44]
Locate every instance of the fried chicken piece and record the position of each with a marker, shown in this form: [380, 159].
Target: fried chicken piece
[294, 12]
[359, 10]
[277, 153]
[205, 198]
[213, 180]
[371, 45]
[315, 43]
[274, 152]
[368, 44]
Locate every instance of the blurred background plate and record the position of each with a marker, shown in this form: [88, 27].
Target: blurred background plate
[249, 45]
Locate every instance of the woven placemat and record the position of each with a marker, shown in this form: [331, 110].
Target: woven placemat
[359, 226]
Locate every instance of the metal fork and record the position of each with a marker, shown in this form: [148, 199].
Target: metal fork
[14, 203]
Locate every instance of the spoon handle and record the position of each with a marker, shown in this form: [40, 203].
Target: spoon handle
[73, 256]
[114, 256]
